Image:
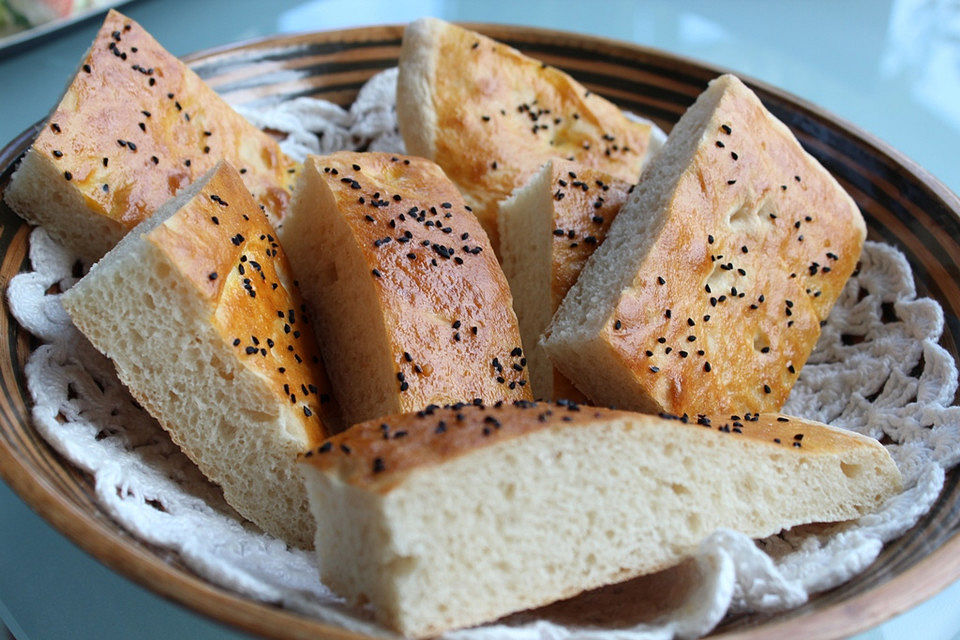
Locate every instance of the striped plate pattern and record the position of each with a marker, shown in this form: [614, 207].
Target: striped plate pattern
[903, 206]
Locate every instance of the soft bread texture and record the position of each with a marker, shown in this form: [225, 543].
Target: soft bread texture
[452, 517]
[708, 293]
[491, 116]
[134, 126]
[410, 303]
[549, 227]
[197, 310]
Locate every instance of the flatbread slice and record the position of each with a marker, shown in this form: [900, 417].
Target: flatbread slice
[134, 126]
[708, 293]
[491, 116]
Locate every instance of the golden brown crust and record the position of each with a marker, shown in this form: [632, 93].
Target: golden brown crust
[378, 454]
[135, 125]
[500, 115]
[444, 300]
[758, 243]
[585, 202]
[223, 244]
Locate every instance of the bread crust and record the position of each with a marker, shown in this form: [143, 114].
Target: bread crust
[134, 126]
[490, 116]
[717, 272]
[412, 307]
[438, 435]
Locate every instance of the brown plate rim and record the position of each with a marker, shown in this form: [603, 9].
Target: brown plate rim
[924, 579]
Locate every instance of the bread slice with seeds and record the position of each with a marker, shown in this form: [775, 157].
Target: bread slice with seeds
[491, 116]
[549, 227]
[709, 291]
[410, 303]
[134, 126]
[478, 512]
[197, 310]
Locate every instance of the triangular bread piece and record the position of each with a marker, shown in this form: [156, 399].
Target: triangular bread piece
[410, 303]
[134, 126]
[709, 291]
[478, 512]
[197, 309]
[491, 116]
[549, 227]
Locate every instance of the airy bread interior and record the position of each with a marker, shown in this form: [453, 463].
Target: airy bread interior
[137, 308]
[525, 223]
[549, 229]
[37, 193]
[546, 515]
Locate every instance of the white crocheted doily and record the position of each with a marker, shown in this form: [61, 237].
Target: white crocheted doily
[892, 380]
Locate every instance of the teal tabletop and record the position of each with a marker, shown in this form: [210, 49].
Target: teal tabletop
[891, 67]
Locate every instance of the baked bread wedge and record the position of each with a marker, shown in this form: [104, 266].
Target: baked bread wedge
[708, 293]
[197, 309]
[548, 229]
[134, 126]
[411, 306]
[453, 517]
[491, 116]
